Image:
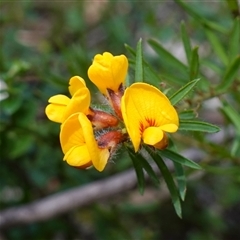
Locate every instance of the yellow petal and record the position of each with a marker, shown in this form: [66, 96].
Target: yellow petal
[134, 132]
[169, 127]
[119, 67]
[99, 156]
[102, 160]
[71, 134]
[76, 83]
[57, 107]
[55, 112]
[78, 156]
[80, 102]
[59, 99]
[108, 71]
[152, 135]
[144, 106]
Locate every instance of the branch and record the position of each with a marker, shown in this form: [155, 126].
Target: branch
[63, 202]
[68, 200]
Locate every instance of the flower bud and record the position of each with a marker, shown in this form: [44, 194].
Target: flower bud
[111, 139]
[101, 119]
[115, 100]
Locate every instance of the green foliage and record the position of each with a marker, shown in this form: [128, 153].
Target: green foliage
[169, 59]
[169, 181]
[181, 179]
[191, 125]
[182, 92]
[229, 75]
[186, 42]
[178, 158]
[149, 73]
[139, 76]
[234, 46]
[140, 164]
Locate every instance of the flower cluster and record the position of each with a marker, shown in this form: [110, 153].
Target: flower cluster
[141, 114]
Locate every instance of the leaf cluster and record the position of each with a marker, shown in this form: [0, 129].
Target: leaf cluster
[193, 77]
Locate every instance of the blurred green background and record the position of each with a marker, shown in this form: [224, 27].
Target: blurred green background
[43, 44]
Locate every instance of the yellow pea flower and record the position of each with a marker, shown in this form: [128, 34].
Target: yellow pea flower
[108, 71]
[61, 106]
[79, 145]
[148, 114]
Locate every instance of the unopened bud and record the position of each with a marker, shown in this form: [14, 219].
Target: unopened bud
[111, 139]
[101, 119]
[115, 100]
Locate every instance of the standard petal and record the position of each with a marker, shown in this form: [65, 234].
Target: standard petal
[152, 135]
[76, 83]
[103, 60]
[98, 72]
[108, 71]
[99, 156]
[78, 156]
[59, 99]
[71, 133]
[119, 67]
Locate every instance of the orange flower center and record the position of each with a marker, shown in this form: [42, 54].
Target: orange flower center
[150, 123]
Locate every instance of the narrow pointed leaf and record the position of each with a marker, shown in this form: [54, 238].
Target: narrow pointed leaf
[139, 63]
[194, 63]
[169, 181]
[171, 155]
[181, 179]
[149, 73]
[195, 14]
[235, 149]
[180, 173]
[187, 115]
[139, 171]
[169, 59]
[144, 164]
[230, 74]
[130, 49]
[171, 185]
[231, 171]
[234, 40]
[186, 42]
[213, 66]
[232, 114]
[217, 46]
[192, 125]
[175, 80]
[148, 168]
[130, 80]
[182, 92]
